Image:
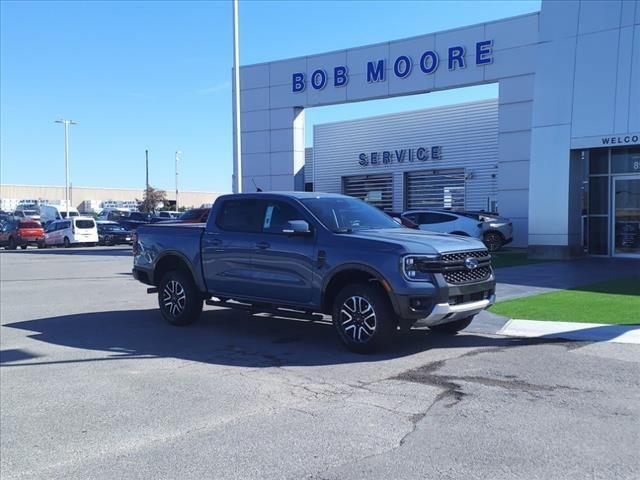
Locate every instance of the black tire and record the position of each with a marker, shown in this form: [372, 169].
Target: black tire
[42, 245]
[452, 327]
[23, 247]
[66, 242]
[493, 241]
[358, 300]
[11, 245]
[179, 300]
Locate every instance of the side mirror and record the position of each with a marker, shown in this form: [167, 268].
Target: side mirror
[297, 227]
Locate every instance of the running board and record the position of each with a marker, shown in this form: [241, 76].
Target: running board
[152, 290]
[277, 312]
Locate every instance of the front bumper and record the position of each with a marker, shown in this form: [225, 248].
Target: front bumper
[440, 302]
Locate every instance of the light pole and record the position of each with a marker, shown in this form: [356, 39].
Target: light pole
[178, 154]
[236, 99]
[66, 124]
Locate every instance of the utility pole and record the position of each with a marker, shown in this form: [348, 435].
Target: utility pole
[146, 190]
[236, 91]
[66, 124]
[178, 153]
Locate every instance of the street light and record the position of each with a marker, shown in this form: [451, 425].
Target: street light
[66, 124]
[178, 155]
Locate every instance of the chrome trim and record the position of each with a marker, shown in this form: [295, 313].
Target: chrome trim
[445, 313]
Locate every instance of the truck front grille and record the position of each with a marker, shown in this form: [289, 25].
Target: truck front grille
[465, 275]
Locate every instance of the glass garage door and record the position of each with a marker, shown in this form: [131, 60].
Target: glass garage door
[434, 189]
[374, 189]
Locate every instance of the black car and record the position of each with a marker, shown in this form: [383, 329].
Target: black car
[112, 233]
[131, 220]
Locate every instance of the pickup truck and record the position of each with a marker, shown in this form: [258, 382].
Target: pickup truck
[308, 254]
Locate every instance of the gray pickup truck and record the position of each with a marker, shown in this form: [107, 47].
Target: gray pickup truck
[303, 255]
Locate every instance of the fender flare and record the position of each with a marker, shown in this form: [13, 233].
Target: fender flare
[185, 260]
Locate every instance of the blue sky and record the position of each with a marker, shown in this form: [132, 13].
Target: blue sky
[156, 75]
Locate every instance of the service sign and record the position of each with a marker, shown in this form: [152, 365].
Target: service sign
[404, 155]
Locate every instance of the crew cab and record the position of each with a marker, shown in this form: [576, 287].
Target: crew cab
[20, 233]
[307, 254]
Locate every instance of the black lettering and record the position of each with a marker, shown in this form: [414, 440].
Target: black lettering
[400, 156]
[363, 160]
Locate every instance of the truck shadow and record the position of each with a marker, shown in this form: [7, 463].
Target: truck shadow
[221, 337]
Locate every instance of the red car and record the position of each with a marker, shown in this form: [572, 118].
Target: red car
[21, 233]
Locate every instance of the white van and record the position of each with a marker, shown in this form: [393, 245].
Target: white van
[75, 231]
[50, 213]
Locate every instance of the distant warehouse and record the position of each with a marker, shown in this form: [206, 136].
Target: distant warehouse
[91, 199]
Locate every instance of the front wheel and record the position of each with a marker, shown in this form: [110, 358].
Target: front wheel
[23, 247]
[452, 327]
[493, 241]
[66, 242]
[12, 245]
[364, 318]
[179, 300]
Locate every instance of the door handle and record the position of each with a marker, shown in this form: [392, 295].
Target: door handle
[262, 245]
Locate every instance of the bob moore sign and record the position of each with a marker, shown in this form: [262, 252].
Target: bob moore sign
[387, 157]
[403, 66]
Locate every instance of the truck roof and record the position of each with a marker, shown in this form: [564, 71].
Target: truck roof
[296, 195]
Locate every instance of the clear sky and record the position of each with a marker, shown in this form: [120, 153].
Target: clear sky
[156, 75]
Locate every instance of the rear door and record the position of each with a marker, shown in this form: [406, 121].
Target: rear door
[228, 244]
[283, 262]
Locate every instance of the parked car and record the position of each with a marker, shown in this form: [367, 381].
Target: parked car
[446, 222]
[74, 231]
[26, 214]
[20, 233]
[497, 231]
[165, 215]
[50, 213]
[195, 215]
[131, 220]
[113, 214]
[112, 233]
[301, 254]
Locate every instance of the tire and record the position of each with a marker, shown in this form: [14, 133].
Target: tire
[11, 245]
[362, 300]
[179, 300]
[23, 247]
[66, 242]
[42, 245]
[493, 241]
[452, 327]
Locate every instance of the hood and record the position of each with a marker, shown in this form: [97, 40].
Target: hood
[420, 241]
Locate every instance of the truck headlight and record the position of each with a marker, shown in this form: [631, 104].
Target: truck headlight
[416, 267]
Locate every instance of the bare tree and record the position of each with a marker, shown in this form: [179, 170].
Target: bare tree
[152, 198]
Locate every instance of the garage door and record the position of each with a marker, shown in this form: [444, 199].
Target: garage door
[435, 189]
[374, 189]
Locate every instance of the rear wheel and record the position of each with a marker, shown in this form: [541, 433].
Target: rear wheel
[364, 318]
[66, 242]
[179, 300]
[23, 247]
[493, 241]
[11, 245]
[41, 244]
[452, 327]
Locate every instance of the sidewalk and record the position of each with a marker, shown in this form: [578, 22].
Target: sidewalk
[527, 280]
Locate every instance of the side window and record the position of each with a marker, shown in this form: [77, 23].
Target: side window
[431, 217]
[277, 216]
[240, 216]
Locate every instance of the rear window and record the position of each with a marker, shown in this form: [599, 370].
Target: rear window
[192, 214]
[240, 216]
[85, 224]
[29, 225]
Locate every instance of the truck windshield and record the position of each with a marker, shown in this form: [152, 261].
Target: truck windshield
[344, 214]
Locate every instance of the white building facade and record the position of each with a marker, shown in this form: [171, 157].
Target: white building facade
[567, 130]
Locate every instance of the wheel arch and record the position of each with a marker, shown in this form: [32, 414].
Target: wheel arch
[351, 273]
[173, 260]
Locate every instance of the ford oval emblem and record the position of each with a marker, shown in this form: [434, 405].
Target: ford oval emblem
[471, 263]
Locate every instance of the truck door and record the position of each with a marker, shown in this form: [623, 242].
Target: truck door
[228, 245]
[283, 263]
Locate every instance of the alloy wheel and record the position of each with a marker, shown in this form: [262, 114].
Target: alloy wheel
[174, 298]
[358, 319]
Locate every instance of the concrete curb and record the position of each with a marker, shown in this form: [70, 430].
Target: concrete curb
[586, 332]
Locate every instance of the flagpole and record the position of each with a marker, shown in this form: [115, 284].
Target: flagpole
[236, 99]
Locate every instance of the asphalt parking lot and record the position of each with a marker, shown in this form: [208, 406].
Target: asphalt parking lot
[94, 384]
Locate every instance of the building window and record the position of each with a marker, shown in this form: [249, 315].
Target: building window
[374, 189]
[435, 189]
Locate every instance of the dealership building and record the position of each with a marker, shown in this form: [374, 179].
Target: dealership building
[558, 151]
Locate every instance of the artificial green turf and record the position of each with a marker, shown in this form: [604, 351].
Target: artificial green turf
[512, 258]
[615, 301]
